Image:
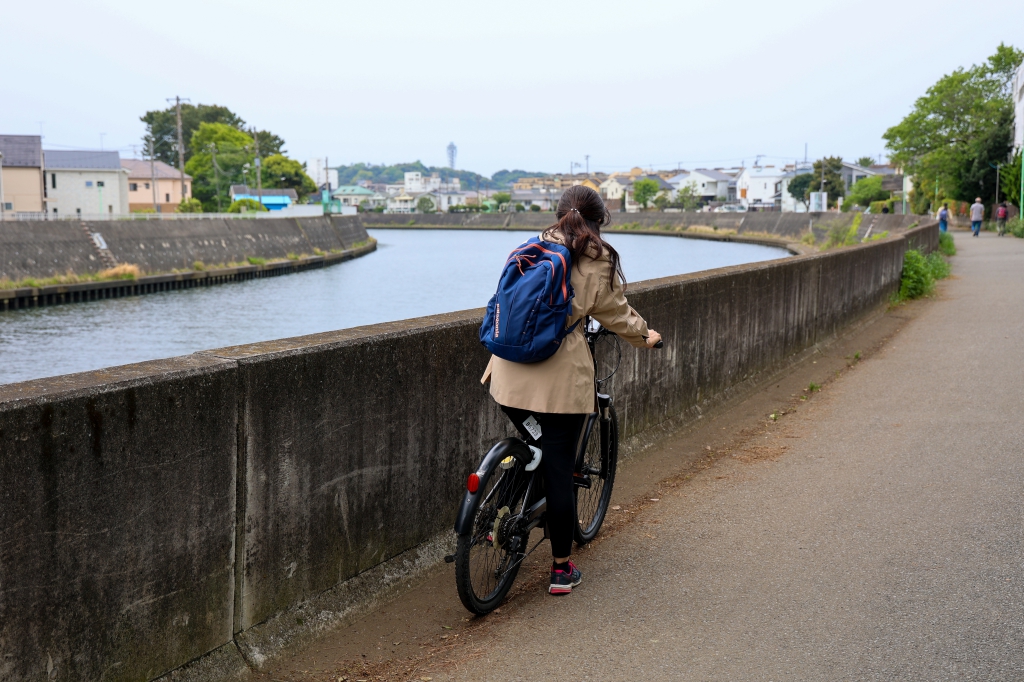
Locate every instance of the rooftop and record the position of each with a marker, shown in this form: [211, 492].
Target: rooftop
[245, 190]
[22, 151]
[140, 169]
[58, 159]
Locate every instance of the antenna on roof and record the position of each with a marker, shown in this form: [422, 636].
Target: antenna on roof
[452, 151]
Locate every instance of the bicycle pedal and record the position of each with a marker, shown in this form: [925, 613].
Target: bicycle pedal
[581, 481]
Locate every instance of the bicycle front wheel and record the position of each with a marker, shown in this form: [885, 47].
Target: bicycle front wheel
[487, 558]
[598, 470]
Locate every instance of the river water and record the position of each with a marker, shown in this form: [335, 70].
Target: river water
[412, 273]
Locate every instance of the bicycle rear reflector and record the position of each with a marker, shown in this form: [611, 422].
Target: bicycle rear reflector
[473, 484]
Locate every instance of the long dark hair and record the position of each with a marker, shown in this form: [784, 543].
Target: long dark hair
[581, 213]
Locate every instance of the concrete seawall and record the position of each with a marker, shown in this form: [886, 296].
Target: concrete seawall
[218, 502]
[173, 248]
[784, 225]
[42, 249]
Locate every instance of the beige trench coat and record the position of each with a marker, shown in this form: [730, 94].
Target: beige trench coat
[564, 383]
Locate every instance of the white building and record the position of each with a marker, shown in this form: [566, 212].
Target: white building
[710, 184]
[756, 187]
[85, 183]
[415, 182]
[1018, 109]
[317, 170]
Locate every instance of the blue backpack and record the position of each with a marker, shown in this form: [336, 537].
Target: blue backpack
[525, 320]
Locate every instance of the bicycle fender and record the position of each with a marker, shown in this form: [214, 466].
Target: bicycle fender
[501, 450]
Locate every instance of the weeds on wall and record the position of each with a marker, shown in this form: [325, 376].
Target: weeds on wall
[123, 271]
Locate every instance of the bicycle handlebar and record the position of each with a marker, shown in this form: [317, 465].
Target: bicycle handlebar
[660, 344]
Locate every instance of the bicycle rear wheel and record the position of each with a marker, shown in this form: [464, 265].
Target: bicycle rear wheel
[487, 558]
[600, 459]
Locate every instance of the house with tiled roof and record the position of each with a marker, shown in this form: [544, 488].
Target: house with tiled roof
[21, 173]
[155, 185]
[83, 182]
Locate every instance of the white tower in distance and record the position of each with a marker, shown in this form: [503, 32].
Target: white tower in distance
[452, 151]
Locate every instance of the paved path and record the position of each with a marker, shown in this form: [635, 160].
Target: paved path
[876, 533]
[886, 542]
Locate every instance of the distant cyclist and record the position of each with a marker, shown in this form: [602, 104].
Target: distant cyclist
[559, 391]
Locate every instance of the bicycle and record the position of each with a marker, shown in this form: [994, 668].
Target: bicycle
[504, 500]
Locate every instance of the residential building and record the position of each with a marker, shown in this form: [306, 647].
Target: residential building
[416, 183]
[409, 202]
[1018, 109]
[272, 199]
[155, 185]
[615, 186]
[544, 197]
[712, 185]
[756, 187]
[354, 195]
[851, 173]
[21, 173]
[665, 189]
[84, 183]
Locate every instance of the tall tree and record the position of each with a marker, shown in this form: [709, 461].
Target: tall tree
[958, 131]
[800, 187]
[234, 152]
[644, 191]
[280, 172]
[865, 161]
[833, 179]
[161, 129]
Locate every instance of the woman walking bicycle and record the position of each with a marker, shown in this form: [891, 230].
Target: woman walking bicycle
[554, 396]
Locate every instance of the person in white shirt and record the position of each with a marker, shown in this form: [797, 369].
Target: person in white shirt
[977, 215]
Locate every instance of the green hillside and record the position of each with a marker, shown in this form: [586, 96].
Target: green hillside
[357, 172]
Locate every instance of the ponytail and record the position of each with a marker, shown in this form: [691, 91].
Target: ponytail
[581, 213]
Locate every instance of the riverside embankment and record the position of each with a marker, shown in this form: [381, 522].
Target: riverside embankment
[169, 254]
[238, 500]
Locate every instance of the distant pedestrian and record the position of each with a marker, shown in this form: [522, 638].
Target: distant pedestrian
[977, 215]
[944, 218]
[1001, 213]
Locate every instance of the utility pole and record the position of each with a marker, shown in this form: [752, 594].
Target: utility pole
[152, 173]
[181, 142]
[216, 176]
[2, 185]
[587, 158]
[259, 169]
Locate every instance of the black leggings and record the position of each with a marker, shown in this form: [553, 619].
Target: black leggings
[560, 434]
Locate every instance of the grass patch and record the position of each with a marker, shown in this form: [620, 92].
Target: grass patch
[361, 244]
[1015, 227]
[199, 266]
[809, 239]
[812, 387]
[123, 271]
[254, 260]
[294, 256]
[947, 247]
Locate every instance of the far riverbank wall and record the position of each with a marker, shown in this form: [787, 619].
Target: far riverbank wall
[218, 507]
[47, 248]
[788, 226]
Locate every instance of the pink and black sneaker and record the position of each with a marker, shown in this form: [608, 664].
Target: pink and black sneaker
[564, 579]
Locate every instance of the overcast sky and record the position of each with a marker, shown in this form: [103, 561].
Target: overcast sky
[532, 85]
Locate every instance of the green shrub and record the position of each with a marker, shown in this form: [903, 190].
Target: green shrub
[255, 260]
[189, 206]
[808, 239]
[1015, 227]
[920, 273]
[938, 266]
[917, 279]
[535, 208]
[245, 206]
[946, 244]
[198, 265]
